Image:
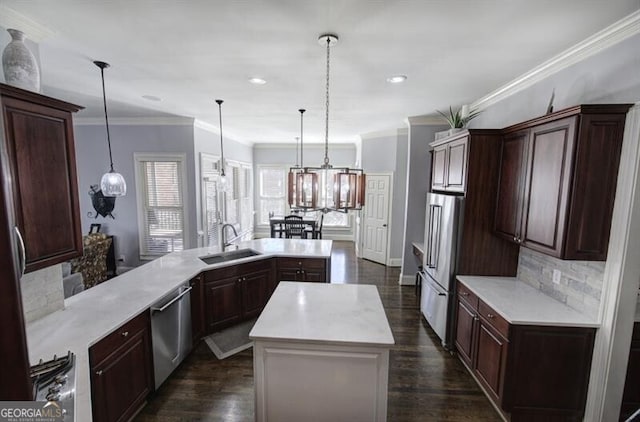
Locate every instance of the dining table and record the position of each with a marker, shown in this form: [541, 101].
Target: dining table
[276, 224]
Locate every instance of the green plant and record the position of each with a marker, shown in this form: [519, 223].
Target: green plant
[456, 120]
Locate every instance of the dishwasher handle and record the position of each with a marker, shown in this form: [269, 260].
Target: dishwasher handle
[175, 299]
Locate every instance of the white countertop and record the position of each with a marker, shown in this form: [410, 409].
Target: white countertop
[324, 313]
[521, 304]
[94, 313]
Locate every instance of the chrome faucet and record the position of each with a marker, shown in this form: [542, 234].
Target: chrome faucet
[226, 243]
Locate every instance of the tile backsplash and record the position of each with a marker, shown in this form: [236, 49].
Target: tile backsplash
[42, 292]
[580, 284]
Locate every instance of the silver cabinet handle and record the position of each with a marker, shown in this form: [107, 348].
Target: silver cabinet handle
[125, 333]
[99, 373]
[23, 252]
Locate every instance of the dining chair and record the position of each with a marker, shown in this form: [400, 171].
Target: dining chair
[294, 227]
[316, 233]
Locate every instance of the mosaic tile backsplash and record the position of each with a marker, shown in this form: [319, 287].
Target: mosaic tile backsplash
[580, 283]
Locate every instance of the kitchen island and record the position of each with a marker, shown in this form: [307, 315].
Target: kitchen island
[94, 314]
[321, 352]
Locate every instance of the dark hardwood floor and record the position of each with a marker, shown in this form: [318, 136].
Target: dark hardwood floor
[426, 383]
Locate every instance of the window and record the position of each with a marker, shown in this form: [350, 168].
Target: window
[272, 192]
[160, 183]
[238, 196]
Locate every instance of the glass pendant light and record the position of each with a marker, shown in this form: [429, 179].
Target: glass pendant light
[342, 188]
[112, 183]
[223, 177]
[303, 184]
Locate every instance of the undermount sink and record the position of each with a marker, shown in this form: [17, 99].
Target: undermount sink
[228, 256]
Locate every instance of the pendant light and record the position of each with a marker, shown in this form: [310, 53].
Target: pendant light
[303, 184]
[342, 188]
[223, 176]
[112, 183]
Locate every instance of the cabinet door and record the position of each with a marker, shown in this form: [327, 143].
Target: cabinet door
[314, 275]
[456, 165]
[511, 185]
[121, 372]
[550, 157]
[631, 395]
[255, 293]
[223, 303]
[491, 358]
[465, 323]
[439, 168]
[42, 163]
[197, 310]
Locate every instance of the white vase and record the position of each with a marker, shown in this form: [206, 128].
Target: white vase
[19, 64]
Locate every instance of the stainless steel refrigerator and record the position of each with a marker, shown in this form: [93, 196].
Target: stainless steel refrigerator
[442, 222]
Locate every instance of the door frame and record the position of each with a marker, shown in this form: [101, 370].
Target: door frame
[389, 218]
[620, 285]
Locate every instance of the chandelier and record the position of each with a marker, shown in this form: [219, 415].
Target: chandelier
[302, 183]
[338, 188]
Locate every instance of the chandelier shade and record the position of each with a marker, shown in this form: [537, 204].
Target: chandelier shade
[112, 183]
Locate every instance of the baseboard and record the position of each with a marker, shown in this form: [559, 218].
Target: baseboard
[407, 280]
[394, 262]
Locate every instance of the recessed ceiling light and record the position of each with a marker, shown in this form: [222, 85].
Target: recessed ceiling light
[396, 79]
[257, 81]
[151, 98]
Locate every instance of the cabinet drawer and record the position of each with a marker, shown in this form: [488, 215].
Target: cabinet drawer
[102, 349]
[315, 263]
[467, 296]
[492, 318]
[236, 270]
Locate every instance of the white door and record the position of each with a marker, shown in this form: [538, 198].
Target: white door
[375, 226]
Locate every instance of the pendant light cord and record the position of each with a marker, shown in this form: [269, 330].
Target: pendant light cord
[302, 110]
[326, 121]
[106, 116]
[221, 143]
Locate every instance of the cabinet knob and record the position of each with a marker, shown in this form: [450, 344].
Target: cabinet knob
[515, 238]
[490, 316]
[125, 333]
[464, 293]
[99, 373]
[300, 263]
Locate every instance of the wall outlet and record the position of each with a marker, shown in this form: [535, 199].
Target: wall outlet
[556, 276]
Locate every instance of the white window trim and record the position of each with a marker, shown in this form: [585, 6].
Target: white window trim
[156, 156]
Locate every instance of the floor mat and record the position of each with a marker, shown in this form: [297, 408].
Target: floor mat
[231, 340]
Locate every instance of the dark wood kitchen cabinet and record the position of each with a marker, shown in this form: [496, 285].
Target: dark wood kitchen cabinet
[449, 169]
[558, 177]
[38, 133]
[631, 394]
[467, 163]
[302, 269]
[198, 329]
[122, 371]
[236, 293]
[554, 360]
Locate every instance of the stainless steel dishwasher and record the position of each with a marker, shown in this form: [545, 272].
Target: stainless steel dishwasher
[171, 331]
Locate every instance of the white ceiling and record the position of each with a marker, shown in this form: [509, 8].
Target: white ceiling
[191, 52]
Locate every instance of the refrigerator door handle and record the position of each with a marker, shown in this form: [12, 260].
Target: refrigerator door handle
[23, 252]
[434, 286]
[434, 235]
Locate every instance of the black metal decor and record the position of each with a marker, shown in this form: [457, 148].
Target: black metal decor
[102, 204]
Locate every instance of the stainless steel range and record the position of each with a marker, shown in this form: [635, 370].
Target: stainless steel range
[55, 381]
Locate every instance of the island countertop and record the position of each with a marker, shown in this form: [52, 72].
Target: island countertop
[324, 313]
[521, 304]
[94, 313]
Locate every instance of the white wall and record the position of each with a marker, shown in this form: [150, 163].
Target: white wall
[388, 152]
[92, 160]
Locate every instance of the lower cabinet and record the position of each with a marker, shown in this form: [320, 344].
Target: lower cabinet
[236, 293]
[631, 395]
[529, 372]
[198, 329]
[302, 269]
[122, 371]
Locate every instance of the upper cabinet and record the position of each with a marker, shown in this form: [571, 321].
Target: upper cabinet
[38, 134]
[449, 169]
[558, 178]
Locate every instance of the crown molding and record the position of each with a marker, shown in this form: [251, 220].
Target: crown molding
[385, 133]
[613, 34]
[425, 121]
[34, 31]
[314, 146]
[214, 129]
[134, 121]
